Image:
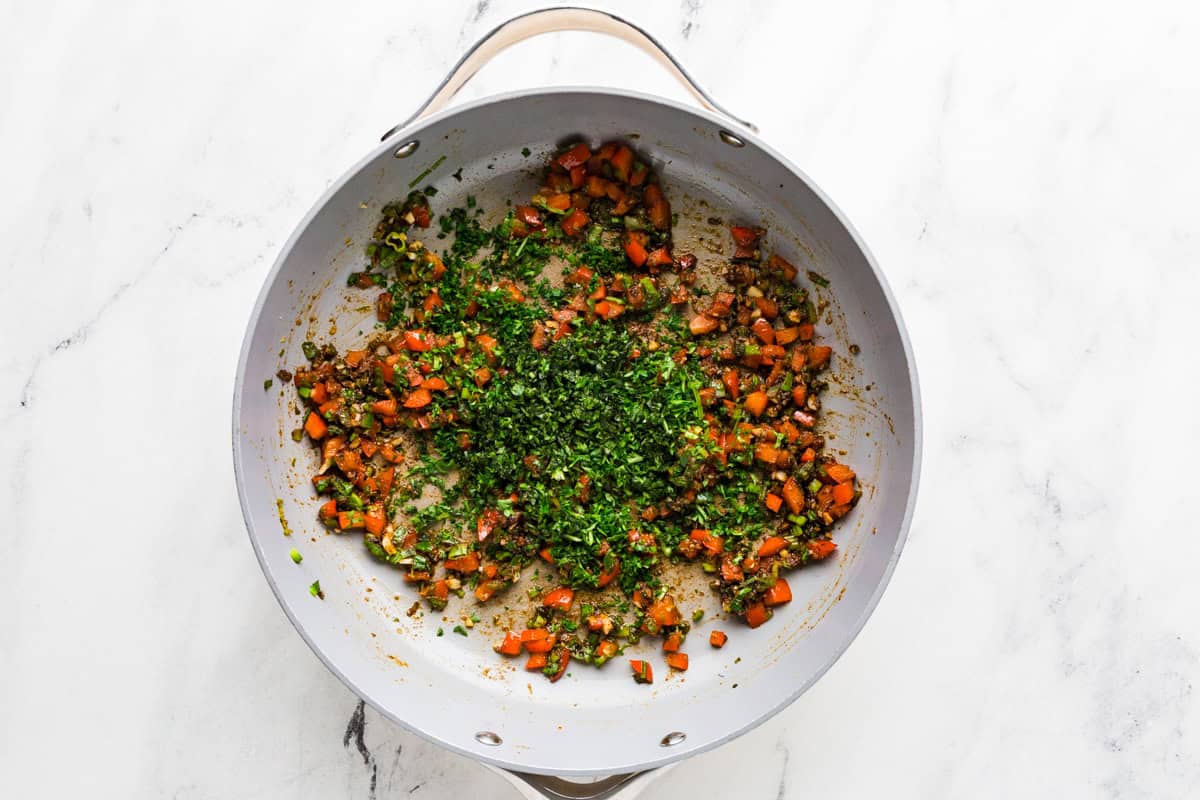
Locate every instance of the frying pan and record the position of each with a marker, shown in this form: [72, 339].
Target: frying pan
[454, 690]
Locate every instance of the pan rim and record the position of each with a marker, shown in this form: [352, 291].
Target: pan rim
[672, 755]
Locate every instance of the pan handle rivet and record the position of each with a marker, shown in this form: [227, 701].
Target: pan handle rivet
[488, 738]
[407, 149]
[730, 139]
[673, 738]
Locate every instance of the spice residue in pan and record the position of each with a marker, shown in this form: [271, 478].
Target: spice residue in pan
[649, 408]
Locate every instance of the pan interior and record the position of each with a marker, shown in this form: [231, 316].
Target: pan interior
[454, 689]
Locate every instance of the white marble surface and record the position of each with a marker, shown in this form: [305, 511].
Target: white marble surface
[1025, 172]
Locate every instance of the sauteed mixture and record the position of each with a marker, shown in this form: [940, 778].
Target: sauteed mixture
[566, 391]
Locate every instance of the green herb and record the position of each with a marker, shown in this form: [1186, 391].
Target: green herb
[525, 151]
[296, 557]
[818, 279]
[267, 384]
[440, 631]
[460, 630]
[427, 172]
[310, 350]
[315, 590]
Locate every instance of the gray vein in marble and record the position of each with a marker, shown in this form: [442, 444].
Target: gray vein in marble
[782, 747]
[691, 9]
[356, 729]
[80, 334]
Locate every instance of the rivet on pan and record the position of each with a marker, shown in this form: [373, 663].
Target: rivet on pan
[407, 149]
[673, 738]
[730, 139]
[489, 738]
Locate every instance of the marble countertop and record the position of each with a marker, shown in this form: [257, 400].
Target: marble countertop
[1025, 173]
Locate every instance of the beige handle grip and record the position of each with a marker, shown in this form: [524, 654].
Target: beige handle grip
[551, 20]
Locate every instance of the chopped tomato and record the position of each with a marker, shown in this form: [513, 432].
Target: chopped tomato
[560, 599]
[778, 594]
[664, 612]
[511, 646]
[314, 426]
[678, 661]
[419, 398]
[756, 402]
[821, 548]
[574, 223]
[793, 496]
[713, 545]
[416, 341]
[622, 163]
[463, 564]
[564, 659]
[763, 330]
[635, 250]
[757, 614]
[717, 639]
[610, 575]
[576, 156]
[540, 645]
[642, 673]
[730, 380]
[771, 545]
[702, 324]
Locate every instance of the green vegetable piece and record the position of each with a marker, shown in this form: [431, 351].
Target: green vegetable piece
[315, 590]
[296, 557]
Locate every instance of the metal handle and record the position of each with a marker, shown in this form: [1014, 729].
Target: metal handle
[552, 20]
[614, 787]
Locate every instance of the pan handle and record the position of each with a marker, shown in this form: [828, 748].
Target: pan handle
[614, 787]
[551, 20]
